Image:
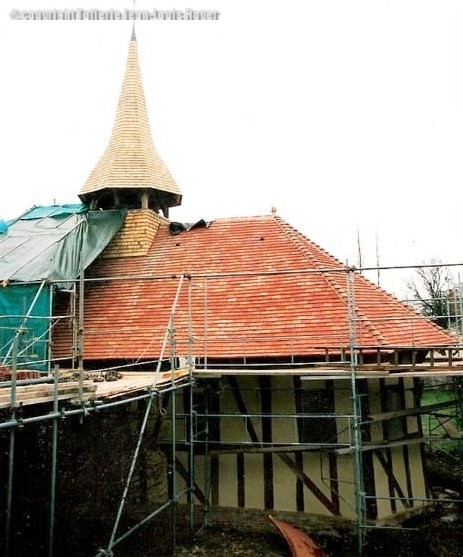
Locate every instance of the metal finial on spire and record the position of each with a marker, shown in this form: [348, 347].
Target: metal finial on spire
[133, 38]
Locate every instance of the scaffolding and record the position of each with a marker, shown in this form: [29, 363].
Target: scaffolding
[78, 403]
[193, 424]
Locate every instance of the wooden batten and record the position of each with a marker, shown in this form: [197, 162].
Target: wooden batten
[136, 235]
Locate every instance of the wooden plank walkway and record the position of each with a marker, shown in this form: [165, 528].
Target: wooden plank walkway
[127, 384]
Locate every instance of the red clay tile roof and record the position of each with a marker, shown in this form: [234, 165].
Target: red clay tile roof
[259, 288]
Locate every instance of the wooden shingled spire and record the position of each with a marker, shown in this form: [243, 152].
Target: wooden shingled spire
[131, 172]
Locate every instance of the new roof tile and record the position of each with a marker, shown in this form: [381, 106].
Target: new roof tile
[258, 289]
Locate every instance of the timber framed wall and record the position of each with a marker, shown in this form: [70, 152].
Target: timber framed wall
[270, 453]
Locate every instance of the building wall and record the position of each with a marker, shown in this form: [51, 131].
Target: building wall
[256, 412]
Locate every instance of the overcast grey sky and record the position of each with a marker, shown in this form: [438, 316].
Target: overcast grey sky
[345, 115]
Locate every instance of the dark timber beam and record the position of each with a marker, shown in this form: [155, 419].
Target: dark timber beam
[393, 480]
[418, 410]
[180, 468]
[297, 470]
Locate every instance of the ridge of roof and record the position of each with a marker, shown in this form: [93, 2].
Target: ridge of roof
[403, 305]
[293, 234]
[300, 239]
[57, 210]
[237, 218]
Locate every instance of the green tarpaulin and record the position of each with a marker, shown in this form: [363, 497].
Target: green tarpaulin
[16, 302]
[46, 245]
[55, 242]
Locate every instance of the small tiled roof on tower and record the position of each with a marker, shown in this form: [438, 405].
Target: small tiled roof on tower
[131, 163]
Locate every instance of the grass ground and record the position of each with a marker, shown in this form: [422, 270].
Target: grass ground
[450, 416]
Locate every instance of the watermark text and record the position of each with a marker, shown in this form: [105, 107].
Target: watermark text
[80, 14]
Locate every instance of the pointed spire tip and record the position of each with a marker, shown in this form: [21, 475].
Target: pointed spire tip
[133, 37]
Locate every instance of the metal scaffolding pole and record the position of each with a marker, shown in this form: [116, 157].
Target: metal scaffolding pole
[11, 450]
[173, 472]
[86, 410]
[357, 417]
[80, 330]
[167, 336]
[207, 468]
[50, 328]
[54, 451]
[172, 346]
[191, 462]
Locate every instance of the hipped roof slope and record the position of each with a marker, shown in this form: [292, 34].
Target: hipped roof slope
[258, 289]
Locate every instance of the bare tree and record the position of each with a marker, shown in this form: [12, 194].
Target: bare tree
[430, 292]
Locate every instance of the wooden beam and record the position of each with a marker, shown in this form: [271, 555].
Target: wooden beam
[418, 410]
[27, 395]
[185, 475]
[322, 371]
[297, 470]
[449, 428]
[393, 480]
[239, 448]
[390, 444]
[265, 389]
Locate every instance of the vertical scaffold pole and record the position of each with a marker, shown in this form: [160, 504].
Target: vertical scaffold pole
[50, 328]
[80, 330]
[191, 462]
[54, 451]
[11, 449]
[174, 473]
[207, 475]
[207, 466]
[357, 416]
[74, 325]
[206, 325]
[167, 336]
[460, 308]
[172, 345]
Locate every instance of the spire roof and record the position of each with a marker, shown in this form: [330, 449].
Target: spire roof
[131, 160]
